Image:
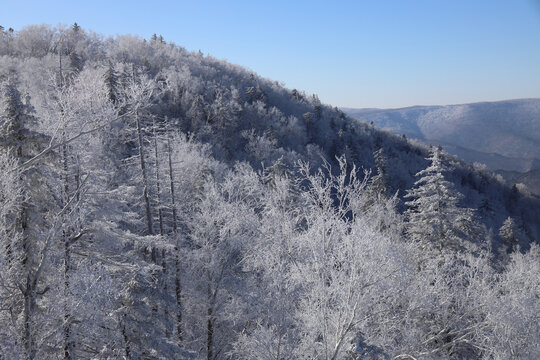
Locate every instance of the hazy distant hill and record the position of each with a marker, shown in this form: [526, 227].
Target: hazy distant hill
[503, 135]
[531, 179]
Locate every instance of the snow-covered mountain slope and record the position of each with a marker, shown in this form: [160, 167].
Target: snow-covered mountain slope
[243, 117]
[503, 135]
[531, 179]
[160, 204]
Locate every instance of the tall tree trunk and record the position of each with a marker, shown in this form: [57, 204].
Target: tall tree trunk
[165, 290]
[28, 290]
[171, 178]
[178, 293]
[68, 345]
[210, 336]
[77, 186]
[177, 279]
[210, 327]
[65, 232]
[160, 217]
[144, 176]
[29, 307]
[158, 190]
[127, 347]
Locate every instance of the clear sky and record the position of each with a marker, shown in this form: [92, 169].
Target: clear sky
[363, 53]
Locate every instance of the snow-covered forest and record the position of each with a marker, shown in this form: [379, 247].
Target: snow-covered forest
[157, 203]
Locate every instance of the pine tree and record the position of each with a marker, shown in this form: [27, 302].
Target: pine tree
[433, 215]
[75, 63]
[26, 247]
[197, 113]
[510, 233]
[111, 81]
[75, 27]
[15, 121]
[378, 185]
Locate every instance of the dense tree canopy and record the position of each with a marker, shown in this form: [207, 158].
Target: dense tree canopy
[157, 203]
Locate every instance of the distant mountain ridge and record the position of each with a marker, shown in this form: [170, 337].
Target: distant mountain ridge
[504, 135]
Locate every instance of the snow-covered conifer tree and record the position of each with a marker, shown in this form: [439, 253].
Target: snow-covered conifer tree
[30, 225]
[379, 182]
[510, 233]
[434, 215]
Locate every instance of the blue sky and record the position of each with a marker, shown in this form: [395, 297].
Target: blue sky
[363, 53]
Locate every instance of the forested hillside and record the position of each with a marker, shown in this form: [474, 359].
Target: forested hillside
[162, 204]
